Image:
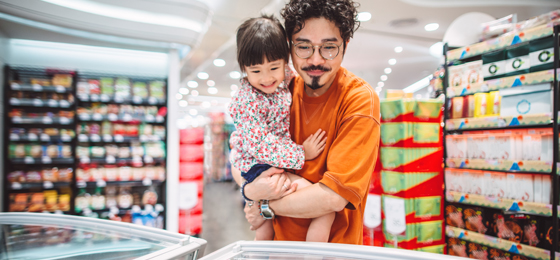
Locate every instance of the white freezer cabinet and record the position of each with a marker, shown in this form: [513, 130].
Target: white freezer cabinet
[52, 236]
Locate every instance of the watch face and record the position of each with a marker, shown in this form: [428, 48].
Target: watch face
[267, 214]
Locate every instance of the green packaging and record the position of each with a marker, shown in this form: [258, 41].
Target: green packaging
[494, 64]
[426, 132]
[394, 182]
[393, 157]
[107, 86]
[392, 108]
[428, 108]
[541, 53]
[439, 249]
[429, 231]
[518, 60]
[427, 206]
[157, 89]
[140, 89]
[392, 133]
[122, 87]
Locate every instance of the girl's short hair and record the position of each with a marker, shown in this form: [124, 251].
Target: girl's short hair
[261, 37]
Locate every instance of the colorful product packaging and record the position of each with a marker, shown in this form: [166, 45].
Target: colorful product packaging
[518, 60]
[541, 53]
[494, 65]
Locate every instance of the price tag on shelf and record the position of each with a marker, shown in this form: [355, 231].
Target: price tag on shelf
[48, 185]
[119, 99]
[37, 87]
[148, 159]
[95, 138]
[46, 160]
[105, 98]
[16, 119]
[32, 137]
[110, 159]
[60, 89]
[47, 120]
[83, 97]
[395, 214]
[143, 138]
[81, 184]
[45, 137]
[94, 97]
[147, 182]
[97, 117]
[136, 100]
[159, 119]
[107, 138]
[14, 101]
[52, 103]
[150, 118]
[64, 120]
[16, 186]
[101, 183]
[84, 117]
[119, 138]
[37, 102]
[29, 160]
[82, 138]
[14, 137]
[64, 103]
[85, 159]
[372, 212]
[152, 100]
[15, 86]
[65, 138]
[127, 118]
[112, 117]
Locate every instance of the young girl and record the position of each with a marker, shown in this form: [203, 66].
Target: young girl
[261, 113]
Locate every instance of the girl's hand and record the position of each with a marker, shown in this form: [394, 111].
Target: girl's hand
[253, 215]
[314, 145]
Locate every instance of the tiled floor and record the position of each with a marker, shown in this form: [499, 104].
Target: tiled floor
[223, 217]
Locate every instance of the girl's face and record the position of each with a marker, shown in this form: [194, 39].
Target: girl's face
[267, 76]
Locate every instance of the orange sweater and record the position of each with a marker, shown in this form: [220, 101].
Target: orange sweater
[349, 112]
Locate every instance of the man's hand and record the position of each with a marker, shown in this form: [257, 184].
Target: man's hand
[314, 145]
[270, 185]
[253, 215]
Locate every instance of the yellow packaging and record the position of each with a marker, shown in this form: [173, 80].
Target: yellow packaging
[480, 104]
[493, 103]
[394, 93]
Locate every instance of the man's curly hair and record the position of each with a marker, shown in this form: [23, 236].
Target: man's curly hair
[343, 13]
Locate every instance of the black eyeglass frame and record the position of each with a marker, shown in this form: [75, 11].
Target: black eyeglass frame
[320, 46]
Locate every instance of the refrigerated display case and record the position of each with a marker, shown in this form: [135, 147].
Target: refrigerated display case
[53, 236]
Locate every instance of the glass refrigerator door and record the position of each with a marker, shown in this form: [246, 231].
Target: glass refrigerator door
[51, 236]
[260, 250]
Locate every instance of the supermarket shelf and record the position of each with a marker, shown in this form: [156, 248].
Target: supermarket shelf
[39, 88]
[118, 138]
[506, 245]
[108, 160]
[503, 83]
[40, 138]
[498, 122]
[150, 101]
[500, 203]
[42, 120]
[503, 41]
[120, 118]
[93, 184]
[24, 102]
[38, 185]
[44, 160]
[500, 165]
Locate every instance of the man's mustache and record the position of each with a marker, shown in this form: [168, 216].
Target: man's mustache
[313, 67]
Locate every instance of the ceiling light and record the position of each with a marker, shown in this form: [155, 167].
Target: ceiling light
[212, 90]
[378, 89]
[202, 75]
[219, 62]
[364, 16]
[179, 96]
[205, 104]
[418, 85]
[398, 49]
[392, 61]
[194, 93]
[235, 74]
[380, 84]
[193, 112]
[183, 103]
[234, 87]
[388, 70]
[192, 84]
[431, 27]
[184, 91]
[383, 77]
[210, 83]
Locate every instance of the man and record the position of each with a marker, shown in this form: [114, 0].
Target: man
[328, 97]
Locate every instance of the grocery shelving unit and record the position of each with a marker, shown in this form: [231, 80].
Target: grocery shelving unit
[549, 120]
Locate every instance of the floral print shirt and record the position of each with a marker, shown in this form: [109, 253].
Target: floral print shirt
[262, 123]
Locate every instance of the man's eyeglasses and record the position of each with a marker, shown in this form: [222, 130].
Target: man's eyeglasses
[327, 50]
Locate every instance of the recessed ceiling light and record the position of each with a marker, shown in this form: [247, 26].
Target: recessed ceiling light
[234, 87]
[378, 89]
[192, 84]
[212, 90]
[202, 75]
[178, 96]
[193, 112]
[184, 91]
[194, 93]
[398, 49]
[364, 16]
[210, 83]
[219, 62]
[234, 74]
[431, 27]
[388, 70]
[205, 104]
[380, 84]
[392, 61]
[183, 103]
[383, 77]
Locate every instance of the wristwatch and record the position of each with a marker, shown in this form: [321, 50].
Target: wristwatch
[266, 211]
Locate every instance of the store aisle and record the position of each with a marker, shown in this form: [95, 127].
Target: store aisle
[224, 220]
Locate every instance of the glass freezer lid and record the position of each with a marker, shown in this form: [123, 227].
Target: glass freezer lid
[50, 236]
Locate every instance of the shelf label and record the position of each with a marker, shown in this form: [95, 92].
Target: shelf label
[110, 159]
[83, 97]
[105, 98]
[119, 138]
[82, 138]
[148, 159]
[97, 117]
[32, 137]
[66, 138]
[127, 118]
[64, 120]
[16, 119]
[119, 99]
[150, 118]
[47, 120]
[37, 87]
[85, 159]
[14, 137]
[188, 195]
[112, 117]
[147, 182]
[372, 212]
[64, 103]
[101, 183]
[60, 89]
[37, 102]
[52, 103]
[16, 186]
[81, 184]
[136, 100]
[14, 101]
[94, 97]
[45, 138]
[29, 160]
[107, 138]
[46, 160]
[395, 215]
[159, 119]
[84, 117]
[152, 100]
[95, 138]
[48, 185]
[15, 86]
[143, 138]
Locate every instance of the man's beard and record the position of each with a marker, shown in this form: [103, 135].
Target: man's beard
[315, 80]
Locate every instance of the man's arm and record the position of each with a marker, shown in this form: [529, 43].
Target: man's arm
[312, 202]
